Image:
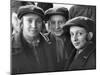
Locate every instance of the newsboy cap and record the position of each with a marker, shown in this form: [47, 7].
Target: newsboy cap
[30, 9]
[57, 11]
[80, 21]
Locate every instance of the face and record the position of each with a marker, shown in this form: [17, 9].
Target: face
[55, 22]
[32, 25]
[78, 37]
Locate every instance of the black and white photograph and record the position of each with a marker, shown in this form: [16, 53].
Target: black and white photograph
[51, 37]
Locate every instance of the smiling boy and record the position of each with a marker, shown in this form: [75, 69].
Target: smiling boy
[81, 31]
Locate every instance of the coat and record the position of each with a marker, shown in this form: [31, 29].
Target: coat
[28, 59]
[85, 60]
[63, 49]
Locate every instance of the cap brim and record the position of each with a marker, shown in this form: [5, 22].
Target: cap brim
[24, 13]
[68, 25]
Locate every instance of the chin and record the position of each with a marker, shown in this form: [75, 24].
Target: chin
[77, 48]
[33, 35]
[58, 34]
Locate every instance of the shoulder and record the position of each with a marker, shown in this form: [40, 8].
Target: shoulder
[91, 61]
[90, 57]
[50, 37]
[16, 46]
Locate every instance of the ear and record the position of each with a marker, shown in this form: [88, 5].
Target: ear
[48, 26]
[48, 22]
[90, 35]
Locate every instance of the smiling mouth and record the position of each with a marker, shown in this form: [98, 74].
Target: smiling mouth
[76, 44]
[33, 31]
[58, 30]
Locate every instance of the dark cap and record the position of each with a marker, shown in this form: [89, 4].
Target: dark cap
[57, 11]
[80, 21]
[30, 9]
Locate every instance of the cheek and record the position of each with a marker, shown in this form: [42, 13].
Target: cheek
[72, 40]
[83, 40]
[53, 27]
[25, 26]
[39, 27]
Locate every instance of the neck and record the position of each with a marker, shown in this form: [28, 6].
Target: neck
[60, 37]
[82, 49]
[30, 39]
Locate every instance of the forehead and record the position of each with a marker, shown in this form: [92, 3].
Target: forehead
[77, 28]
[32, 16]
[57, 17]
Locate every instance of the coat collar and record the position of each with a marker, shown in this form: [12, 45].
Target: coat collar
[17, 40]
[88, 50]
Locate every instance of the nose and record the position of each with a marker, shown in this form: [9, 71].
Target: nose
[75, 38]
[33, 24]
[57, 26]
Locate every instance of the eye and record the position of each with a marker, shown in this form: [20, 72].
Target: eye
[38, 22]
[80, 33]
[72, 34]
[61, 22]
[29, 20]
[52, 22]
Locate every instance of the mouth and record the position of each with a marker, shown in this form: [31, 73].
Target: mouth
[33, 30]
[58, 31]
[77, 44]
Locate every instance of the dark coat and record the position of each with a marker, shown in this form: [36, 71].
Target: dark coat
[85, 60]
[29, 59]
[63, 48]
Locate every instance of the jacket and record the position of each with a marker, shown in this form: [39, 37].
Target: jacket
[84, 61]
[63, 49]
[28, 59]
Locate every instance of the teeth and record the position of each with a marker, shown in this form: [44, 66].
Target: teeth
[76, 43]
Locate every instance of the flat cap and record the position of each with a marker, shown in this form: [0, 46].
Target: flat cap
[57, 11]
[30, 9]
[80, 21]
